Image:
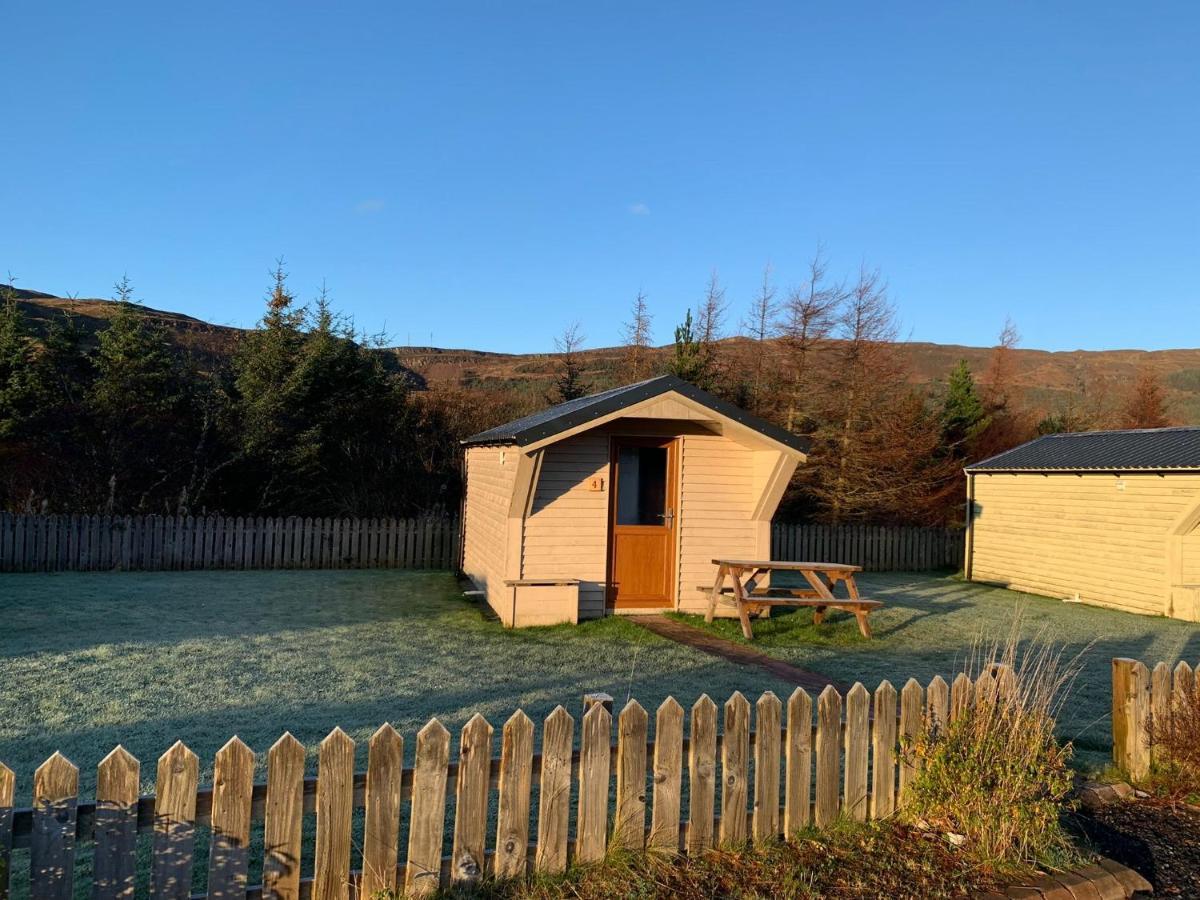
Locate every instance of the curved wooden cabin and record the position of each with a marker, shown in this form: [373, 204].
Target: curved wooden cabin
[618, 502]
[1104, 517]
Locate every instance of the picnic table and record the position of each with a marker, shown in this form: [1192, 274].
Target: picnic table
[751, 597]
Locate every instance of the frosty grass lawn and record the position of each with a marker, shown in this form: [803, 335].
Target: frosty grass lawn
[929, 623]
[91, 660]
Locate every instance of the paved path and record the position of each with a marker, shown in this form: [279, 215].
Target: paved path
[681, 633]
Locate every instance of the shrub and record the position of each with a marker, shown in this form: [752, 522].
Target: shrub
[875, 859]
[996, 774]
[1175, 737]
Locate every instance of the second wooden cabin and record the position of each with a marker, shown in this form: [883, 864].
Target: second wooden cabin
[618, 502]
[1110, 518]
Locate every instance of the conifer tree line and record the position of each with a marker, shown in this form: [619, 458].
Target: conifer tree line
[304, 419]
[308, 417]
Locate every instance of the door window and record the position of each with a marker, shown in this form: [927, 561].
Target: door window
[641, 485]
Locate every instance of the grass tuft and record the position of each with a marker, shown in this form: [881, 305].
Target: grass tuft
[997, 775]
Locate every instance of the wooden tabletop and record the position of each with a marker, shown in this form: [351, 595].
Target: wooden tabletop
[784, 566]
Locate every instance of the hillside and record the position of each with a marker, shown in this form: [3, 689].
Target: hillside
[1050, 380]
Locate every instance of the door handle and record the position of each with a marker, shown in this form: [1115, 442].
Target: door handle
[668, 517]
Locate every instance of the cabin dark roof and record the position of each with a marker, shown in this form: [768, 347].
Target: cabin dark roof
[564, 416]
[1148, 449]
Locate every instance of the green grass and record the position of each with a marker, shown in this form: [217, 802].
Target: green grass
[88, 661]
[929, 623]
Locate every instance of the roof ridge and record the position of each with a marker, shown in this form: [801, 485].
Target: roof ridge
[539, 426]
[1173, 448]
[1103, 431]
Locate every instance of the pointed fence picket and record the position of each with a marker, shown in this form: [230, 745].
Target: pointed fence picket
[1140, 696]
[51, 543]
[778, 771]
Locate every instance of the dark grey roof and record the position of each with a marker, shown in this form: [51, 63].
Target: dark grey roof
[564, 416]
[1150, 449]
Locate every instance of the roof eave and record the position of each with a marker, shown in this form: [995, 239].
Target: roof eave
[625, 399]
[1080, 470]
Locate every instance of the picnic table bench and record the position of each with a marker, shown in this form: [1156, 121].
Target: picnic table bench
[750, 598]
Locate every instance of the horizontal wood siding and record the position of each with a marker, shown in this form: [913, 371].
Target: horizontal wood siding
[566, 531]
[1101, 537]
[491, 473]
[719, 485]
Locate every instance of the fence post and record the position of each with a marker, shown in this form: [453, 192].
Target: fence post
[1130, 712]
[7, 790]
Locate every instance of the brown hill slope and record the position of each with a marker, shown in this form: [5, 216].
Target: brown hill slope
[1050, 380]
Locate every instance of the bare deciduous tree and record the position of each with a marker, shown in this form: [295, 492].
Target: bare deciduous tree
[876, 432]
[998, 381]
[568, 383]
[710, 314]
[759, 326]
[637, 338]
[1146, 405]
[806, 319]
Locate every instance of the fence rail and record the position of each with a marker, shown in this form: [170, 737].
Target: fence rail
[150, 543]
[846, 763]
[877, 548]
[1140, 694]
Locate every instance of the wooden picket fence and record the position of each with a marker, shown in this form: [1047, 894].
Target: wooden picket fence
[877, 548]
[780, 775]
[151, 543]
[50, 543]
[1138, 695]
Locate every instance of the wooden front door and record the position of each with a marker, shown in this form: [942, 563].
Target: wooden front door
[642, 522]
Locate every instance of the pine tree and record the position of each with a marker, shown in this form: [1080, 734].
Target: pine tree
[21, 387]
[689, 361]
[963, 415]
[136, 404]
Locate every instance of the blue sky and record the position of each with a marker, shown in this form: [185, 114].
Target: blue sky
[488, 173]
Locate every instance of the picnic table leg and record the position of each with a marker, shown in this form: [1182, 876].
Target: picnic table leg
[851, 587]
[751, 585]
[863, 626]
[739, 597]
[716, 592]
